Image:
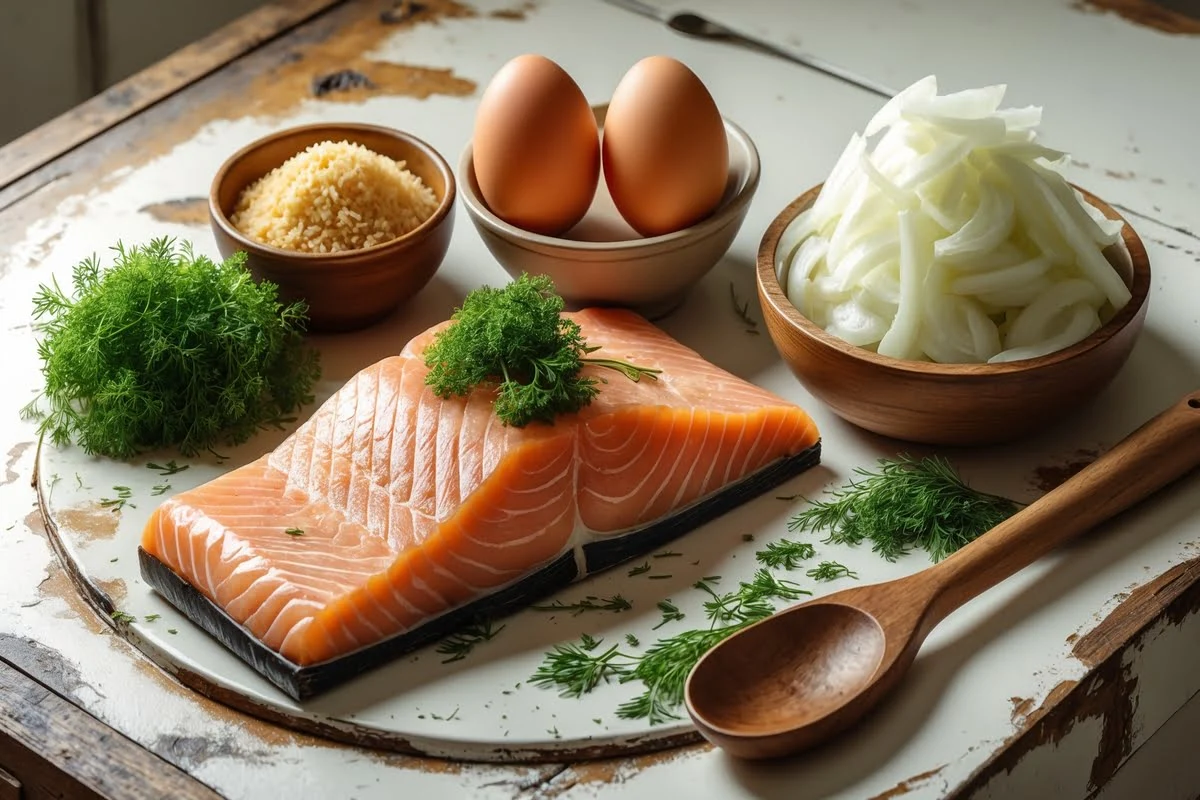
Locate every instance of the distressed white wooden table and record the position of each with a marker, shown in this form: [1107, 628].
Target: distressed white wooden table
[1071, 680]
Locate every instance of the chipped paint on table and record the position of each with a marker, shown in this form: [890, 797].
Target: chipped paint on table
[1053, 680]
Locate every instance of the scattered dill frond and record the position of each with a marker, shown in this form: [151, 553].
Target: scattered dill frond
[788, 497]
[294, 531]
[172, 631]
[166, 348]
[664, 666]
[747, 537]
[614, 604]
[667, 554]
[170, 468]
[120, 501]
[670, 613]
[632, 640]
[516, 340]
[576, 671]
[453, 715]
[785, 554]
[906, 503]
[639, 570]
[742, 309]
[830, 571]
[152, 617]
[659, 577]
[589, 643]
[160, 489]
[459, 644]
[120, 617]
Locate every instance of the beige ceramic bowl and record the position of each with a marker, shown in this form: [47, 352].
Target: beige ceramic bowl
[951, 404]
[352, 289]
[602, 261]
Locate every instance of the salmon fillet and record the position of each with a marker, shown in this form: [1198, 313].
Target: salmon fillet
[411, 505]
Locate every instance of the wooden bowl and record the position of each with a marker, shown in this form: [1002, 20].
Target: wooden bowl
[601, 260]
[352, 289]
[952, 404]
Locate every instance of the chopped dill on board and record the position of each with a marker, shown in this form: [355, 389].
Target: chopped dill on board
[160, 489]
[670, 613]
[294, 531]
[589, 643]
[830, 571]
[632, 640]
[615, 604]
[459, 644]
[153, 617]
[124, 493]
[906, 503]
[742, 309]
[120, 617]
[639, 570]
[170, 468]
[785, 554]
[516, 340]
[663, 667]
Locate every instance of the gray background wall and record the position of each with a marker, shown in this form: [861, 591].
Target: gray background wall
[56, 53]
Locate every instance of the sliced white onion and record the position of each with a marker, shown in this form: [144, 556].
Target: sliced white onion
[985, 231]
[1001, 280]
[900, 341]
[1082, 323]
[945, 232]
[1033, 322]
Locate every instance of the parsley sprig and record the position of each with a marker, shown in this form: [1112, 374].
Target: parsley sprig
[516, 340]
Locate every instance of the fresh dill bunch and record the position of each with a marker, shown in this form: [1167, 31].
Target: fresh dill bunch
[167, 349]
[906, 503]
[785, 554]
[516, 341]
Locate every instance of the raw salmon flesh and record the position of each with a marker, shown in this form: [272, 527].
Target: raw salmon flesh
[402, 506]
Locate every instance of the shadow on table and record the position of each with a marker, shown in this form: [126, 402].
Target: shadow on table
[1157, 377]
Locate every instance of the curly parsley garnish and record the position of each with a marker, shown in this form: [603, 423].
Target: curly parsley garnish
[516, 340]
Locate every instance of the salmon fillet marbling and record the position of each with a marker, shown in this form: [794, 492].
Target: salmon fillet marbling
[411, 505]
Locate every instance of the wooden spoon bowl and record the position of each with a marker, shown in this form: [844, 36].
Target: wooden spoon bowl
[951, 404]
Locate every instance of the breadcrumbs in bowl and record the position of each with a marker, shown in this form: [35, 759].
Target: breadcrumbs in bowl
[332, 197]
[353, 219]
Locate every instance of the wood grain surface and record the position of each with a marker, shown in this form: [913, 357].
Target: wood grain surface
[51, 749]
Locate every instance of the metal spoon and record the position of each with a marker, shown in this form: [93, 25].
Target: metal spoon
[692, 24]
[808, 673]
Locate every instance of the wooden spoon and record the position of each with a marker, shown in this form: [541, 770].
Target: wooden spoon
[805, 674]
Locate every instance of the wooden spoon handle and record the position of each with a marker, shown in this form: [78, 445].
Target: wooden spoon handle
[1161, 451]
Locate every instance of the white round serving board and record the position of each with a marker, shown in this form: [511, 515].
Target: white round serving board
[483, 707]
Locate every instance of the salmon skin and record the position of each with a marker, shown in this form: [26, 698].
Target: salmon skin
[392, 516]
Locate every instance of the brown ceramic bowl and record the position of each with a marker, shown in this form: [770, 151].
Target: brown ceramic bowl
[952, 404]
[352, 289]
[602, 261]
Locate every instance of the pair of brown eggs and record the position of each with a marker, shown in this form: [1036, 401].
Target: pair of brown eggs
[538, 152]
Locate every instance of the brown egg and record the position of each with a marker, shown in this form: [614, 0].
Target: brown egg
[536, 147]
[666, 160]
